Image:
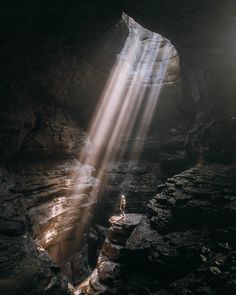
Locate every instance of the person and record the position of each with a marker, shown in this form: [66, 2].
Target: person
[122, 206]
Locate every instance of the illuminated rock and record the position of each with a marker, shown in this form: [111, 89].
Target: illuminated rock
[104, 276]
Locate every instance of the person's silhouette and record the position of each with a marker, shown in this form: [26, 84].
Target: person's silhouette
[122, 206]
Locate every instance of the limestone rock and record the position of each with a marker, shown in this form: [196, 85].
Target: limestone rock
[112, 251]
[201, 195]
[186, 243]
[105, 278]
[137, 179]
[55, 135]
[43, 207]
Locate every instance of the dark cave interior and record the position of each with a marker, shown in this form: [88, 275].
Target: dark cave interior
[81, 123]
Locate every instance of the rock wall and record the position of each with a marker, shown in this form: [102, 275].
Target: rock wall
[202, 34]
[50, 84]
[184, 245]
[25, 265]
[47, 206]
[43, 42]
[188, 238]
[50, 79]
[105, 278]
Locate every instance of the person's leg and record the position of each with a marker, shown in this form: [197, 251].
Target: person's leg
[123, 212]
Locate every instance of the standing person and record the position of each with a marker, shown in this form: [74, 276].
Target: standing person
[122, 206]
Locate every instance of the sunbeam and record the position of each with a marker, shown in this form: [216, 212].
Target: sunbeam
[129, 98]
[125, 109]
[127, 104]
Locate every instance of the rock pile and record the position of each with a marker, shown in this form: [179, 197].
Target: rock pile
[105, 278]
[186, 244]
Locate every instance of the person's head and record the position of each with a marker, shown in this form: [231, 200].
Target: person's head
[122, 197]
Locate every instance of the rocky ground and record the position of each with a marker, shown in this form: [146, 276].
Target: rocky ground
[105, 277]
[184, 245]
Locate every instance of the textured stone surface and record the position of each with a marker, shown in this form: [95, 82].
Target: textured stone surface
[136, 179]
[38, 54]
[201, 32]
[48, 204]
[25, 266]
[186, 245]
[121, 229]
[201, 196]
[49, 73]
[50, 83]
[105, 278]
[118, 234]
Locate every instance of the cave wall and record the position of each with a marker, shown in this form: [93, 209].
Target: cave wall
[202, 33]
[49, 74]
[26, 267]
[43, 43]
[49, 59]
[49, 83]
[53, 69]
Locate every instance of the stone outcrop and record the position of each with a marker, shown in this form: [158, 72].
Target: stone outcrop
[105, 277]
[25, 266]
[186, 245]
[201, 196]
[43, 133]
[137, 180]
[45, 206]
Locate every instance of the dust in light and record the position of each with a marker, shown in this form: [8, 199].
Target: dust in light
[126, 107]
[128, 101]
[130, 97]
